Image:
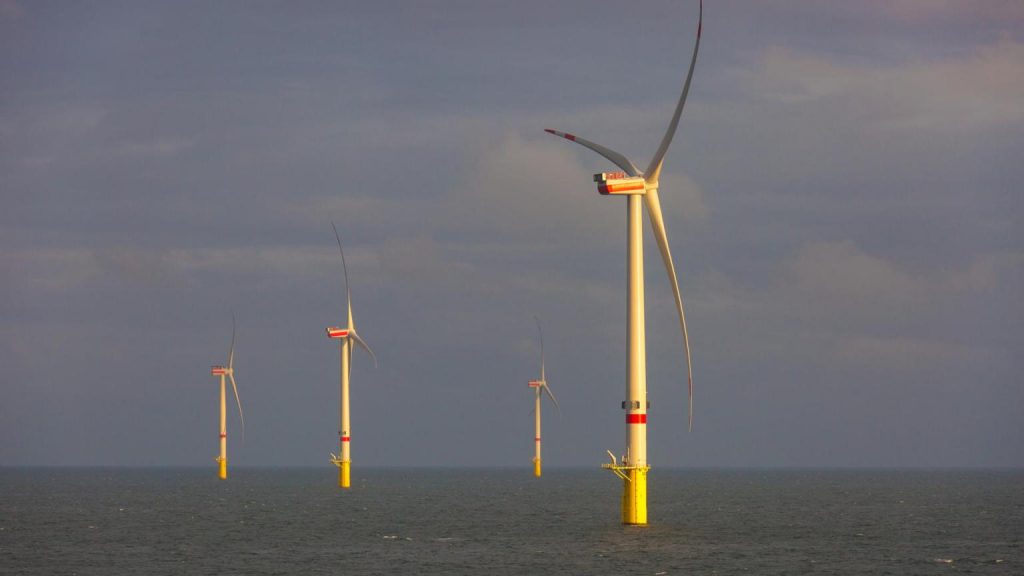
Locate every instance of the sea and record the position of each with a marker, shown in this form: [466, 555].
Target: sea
[504, 521]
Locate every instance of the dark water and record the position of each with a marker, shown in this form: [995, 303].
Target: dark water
[504, 521]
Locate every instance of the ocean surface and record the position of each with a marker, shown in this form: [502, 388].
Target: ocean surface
[505, 521]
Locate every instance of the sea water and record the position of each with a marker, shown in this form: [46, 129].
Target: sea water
[505, 521]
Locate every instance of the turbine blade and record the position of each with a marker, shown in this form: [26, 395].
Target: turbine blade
[654, 169]
[231, 352]
[552, 396]
[239, 402]
[362, 344]
[616, 158]
[541, 334]
[658, 226]
[344, 267]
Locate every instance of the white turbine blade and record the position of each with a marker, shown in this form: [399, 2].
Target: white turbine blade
[231, 352]
[239, 402]
[616, 158]
[344, 267]
[654, 169]
[362, 344]
[552, 396]
[541, 333]
[658, 226]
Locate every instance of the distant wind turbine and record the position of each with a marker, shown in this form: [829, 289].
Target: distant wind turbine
[346, 336]
[229, 372]
[635, 184]
[539, 385]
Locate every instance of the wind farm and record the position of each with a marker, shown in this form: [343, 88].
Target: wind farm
[227, 372]
[347, 337]
[831, 188]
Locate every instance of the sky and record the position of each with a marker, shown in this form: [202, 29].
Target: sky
[842, 199]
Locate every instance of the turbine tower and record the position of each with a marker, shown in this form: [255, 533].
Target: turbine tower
[635, 185]
[229, 372]
[346, 337]
[539, 385]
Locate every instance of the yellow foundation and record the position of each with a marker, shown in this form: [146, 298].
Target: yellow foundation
[345, 474]
[222, 472]
[634, 492]
[634, 496]
[536, 467]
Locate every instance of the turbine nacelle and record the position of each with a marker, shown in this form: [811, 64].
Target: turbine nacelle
[335, 332]
[218, 371]
[620, 184]
[536, 383]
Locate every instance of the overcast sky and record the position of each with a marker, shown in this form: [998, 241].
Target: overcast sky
[843, 201]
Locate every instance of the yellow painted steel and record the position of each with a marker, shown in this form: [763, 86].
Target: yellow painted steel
[634, 492]
[222, 472]
[345, 474]
[634, 496]
[536, 467]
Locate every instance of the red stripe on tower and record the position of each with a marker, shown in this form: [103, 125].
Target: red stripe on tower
[537, 439]
[223, 435]
[344, 438]
[636, 418]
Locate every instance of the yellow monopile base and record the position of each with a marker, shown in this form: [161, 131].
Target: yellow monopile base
[536, 467]
[345, 474]
[634, 496]
[634, 492]
[222, 472]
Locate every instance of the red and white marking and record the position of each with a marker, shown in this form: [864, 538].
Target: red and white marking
[636, 418]
[615, 183]
[218, 371]
[565, 135]
[535, 383]
[335, 332]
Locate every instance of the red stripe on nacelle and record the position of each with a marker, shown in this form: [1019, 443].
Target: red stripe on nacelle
[534, 383]
[636, 418]
[620, 188]
[336, 333]
[218, 371]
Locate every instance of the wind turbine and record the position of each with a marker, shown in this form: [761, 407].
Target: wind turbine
[229, 372]
[635, 185]
[345, 336]
[539, 385]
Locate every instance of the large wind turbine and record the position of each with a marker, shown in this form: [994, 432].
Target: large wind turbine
[229, 371]
[345, 336]
[635, 185]
[539, 385]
